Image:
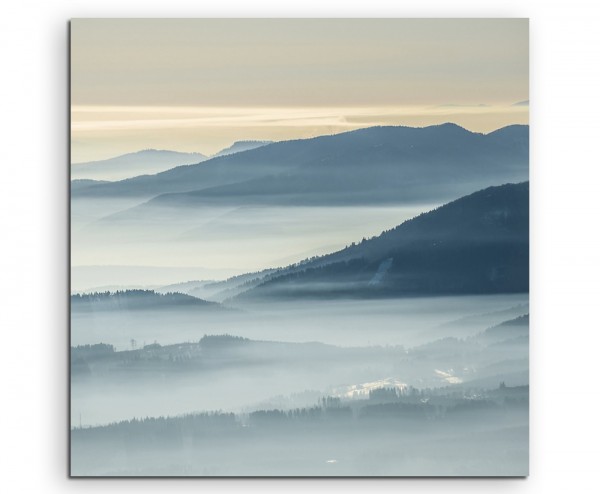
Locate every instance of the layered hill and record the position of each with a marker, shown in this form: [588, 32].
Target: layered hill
[374, 165]
[477, 244]
[137, 300]
[145, 162]
[239, 146]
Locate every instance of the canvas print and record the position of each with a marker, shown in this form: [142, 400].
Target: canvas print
[299, 247]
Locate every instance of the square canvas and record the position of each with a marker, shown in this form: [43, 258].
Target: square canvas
[299, 247]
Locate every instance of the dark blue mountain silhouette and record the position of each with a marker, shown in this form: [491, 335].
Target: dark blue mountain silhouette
[374, 165]
[137, 299]
[476, 244]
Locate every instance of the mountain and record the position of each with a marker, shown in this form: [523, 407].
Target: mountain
[136, 300]
[144, 162]
[79, 184]
[217, 291]
[239, 146]
[512, 329]
[474, 245]
[366, 166]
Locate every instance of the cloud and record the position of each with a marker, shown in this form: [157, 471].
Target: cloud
[112, 130]
[453, 105]
[121, 118]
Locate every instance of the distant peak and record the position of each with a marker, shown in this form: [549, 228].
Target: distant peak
[170, 151]
[239, 146]
[250, 141]
[509, 128]
[450, 126]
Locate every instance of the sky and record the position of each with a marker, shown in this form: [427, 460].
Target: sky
[201, 84]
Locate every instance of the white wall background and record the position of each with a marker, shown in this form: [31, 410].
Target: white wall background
[565, 116]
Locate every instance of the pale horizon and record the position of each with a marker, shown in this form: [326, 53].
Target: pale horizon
[519, 113]
[198, 85]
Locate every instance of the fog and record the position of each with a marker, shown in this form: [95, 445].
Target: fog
[464, 432]
[110, 238]
[194, 378]
[386, 448]
[411, 321]
[129, 165]
[160, 366]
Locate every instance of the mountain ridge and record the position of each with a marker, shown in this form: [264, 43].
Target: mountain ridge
[137, 300]
[137, 163]
[239, 146]
[478, 243]
[375, 164]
